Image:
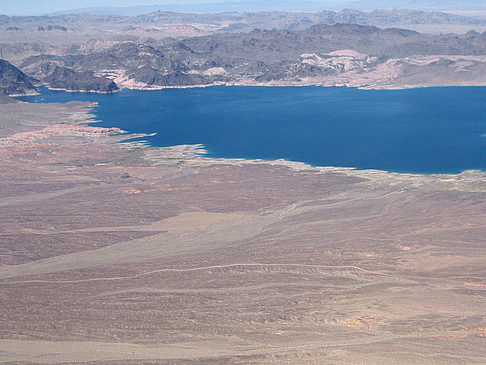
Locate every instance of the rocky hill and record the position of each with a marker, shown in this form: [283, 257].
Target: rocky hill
[340, 54]
[64, 78]
[13, 81]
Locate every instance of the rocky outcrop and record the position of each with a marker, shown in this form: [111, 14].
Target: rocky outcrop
[269, 56]
[67, 79]
[13, 81]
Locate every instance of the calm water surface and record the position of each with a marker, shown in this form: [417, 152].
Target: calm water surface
[430, 130]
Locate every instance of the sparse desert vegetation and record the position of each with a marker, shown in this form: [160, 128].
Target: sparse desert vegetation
[112, 253]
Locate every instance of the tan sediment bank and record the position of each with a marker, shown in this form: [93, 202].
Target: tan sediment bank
[194, 155]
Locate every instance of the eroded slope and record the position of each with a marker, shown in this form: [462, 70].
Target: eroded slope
[126, 253]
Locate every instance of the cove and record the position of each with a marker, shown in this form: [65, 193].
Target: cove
[425, 130]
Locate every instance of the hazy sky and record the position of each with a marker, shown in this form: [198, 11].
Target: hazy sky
[31, 7]
[24, 7]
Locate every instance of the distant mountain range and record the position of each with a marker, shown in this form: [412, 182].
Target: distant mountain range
[289, 5]
[381, 48]
[236, 21]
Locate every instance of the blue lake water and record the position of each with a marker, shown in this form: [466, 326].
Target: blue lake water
[429, 130]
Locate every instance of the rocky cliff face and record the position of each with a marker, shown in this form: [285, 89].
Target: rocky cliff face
[68, 79]
[13, 81]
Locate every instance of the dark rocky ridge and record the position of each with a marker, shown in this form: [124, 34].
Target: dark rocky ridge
[68, 79]
[273, 45]
[13, 81]
[258, 56]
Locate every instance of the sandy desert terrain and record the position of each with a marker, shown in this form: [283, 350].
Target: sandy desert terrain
[125, 254]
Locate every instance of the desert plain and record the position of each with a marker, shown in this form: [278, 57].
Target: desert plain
[122, 253]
